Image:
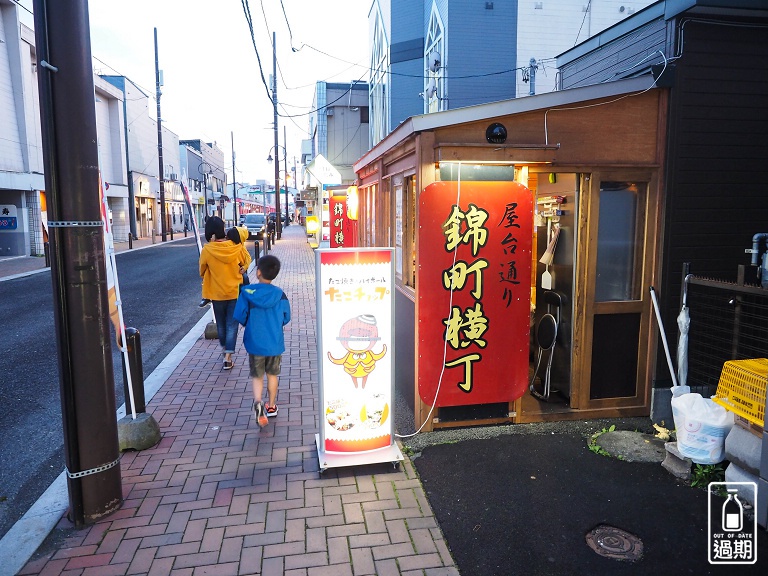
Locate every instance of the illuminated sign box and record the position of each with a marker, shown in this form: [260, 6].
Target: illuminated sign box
[355, 311]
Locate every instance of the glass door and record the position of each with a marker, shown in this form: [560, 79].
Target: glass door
[612, 290]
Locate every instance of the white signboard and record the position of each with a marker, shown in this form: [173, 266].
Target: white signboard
[355, 294]
[9, 219]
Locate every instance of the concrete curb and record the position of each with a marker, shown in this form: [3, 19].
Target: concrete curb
[25, 537]
[24, 274]
[122, 249]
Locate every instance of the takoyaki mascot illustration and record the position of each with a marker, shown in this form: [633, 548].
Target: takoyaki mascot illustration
[359, 335]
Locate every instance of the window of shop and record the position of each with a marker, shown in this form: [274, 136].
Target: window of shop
[383, 215]
[397, 187]
[618, 242]
[405, 229]
[373, 216]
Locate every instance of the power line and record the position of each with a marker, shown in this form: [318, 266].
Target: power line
[287, 115]
[22, 6]
[142, 88]
[248, 19]
[586, 11]
[288, 24]
[349, 141]
[347, 91]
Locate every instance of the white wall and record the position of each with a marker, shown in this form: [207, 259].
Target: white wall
[13, 136]
[558, 25]
[110, 130]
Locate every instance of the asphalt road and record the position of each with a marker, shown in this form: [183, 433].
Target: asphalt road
[160, 291]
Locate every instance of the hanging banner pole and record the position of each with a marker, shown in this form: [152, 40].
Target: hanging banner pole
[192, 218]
[193, 221]
[113, 292]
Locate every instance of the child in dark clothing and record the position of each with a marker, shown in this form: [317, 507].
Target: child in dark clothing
[264, 309]
[235, 234]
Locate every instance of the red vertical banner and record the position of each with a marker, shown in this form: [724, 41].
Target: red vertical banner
[343, 230]
[337, 212]
[474, 292]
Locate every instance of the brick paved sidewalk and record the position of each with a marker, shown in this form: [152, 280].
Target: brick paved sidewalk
[219, 496]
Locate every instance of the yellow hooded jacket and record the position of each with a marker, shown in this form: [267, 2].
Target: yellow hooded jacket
[220, 267]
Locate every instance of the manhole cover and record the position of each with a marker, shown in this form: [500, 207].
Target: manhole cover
[615, 543]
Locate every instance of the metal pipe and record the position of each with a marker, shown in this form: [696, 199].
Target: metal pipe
[133, 344]
[161, 168]
[756, 246]
[663, 337]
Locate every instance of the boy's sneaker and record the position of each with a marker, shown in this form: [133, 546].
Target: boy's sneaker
[271, 411]
[204, 302]
[260, 414]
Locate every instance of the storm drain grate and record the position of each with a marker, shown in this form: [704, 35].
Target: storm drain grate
[615, 543]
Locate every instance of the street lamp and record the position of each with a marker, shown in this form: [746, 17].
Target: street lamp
[205, 171]
[285, 179]
[278, 227]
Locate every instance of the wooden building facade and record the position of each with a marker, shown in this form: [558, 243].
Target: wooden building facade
[591, 161]
[713, 57]
[652, 154]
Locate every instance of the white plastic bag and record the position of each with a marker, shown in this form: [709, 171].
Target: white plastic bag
[701, 427]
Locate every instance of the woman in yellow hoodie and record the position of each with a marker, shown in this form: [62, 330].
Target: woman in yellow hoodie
[222, 265]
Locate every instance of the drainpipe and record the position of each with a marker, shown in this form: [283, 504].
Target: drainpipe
[756, 246]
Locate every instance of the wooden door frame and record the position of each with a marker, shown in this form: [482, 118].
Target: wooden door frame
[585, 308]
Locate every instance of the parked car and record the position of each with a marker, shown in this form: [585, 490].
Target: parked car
[256, 224]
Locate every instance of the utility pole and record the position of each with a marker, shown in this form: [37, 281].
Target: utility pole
[159, 145]
[234, 183]
[285, 172]
[278, 227]
[78, 263]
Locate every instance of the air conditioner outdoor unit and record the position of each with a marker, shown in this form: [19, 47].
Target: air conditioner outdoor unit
[329, 111]
[174, 177]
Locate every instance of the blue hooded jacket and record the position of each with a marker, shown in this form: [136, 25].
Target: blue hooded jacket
[263, 309]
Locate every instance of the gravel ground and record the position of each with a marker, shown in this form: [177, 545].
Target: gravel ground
[585, 428]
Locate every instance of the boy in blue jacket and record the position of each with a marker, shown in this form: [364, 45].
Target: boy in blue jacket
[264, 309]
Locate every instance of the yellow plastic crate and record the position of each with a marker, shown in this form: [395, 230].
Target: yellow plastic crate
[741, 388]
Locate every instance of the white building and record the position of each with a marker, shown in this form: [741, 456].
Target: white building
[206, 170]
[127, 150]
[144, 166]
[22, 184]
[110, 121]
[23, 231]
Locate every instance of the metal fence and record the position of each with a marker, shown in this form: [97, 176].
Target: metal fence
[729, 321]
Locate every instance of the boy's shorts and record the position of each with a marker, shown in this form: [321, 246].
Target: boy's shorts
[260, 364]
